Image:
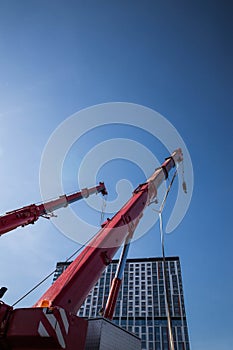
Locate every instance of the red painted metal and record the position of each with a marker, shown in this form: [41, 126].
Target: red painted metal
[72, 287]
[31, 213]
[56, 326]
[111, 304]
[117, 280]
[44, 328]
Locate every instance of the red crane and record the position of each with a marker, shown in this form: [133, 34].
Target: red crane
[52, 322]
[31, 213]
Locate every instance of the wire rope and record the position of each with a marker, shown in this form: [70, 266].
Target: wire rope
[170, 335]
[160, 211]
[51, 273]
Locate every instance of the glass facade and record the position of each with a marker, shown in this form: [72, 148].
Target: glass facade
[141, 305]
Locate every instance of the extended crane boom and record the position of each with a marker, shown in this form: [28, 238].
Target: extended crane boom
[51, 323]
[72, 287]
[31, 213]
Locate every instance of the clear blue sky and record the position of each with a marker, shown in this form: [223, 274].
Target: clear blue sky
[58, 57]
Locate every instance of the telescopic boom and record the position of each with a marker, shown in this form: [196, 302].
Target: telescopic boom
[31, 213]
[73, 286]
[52, 322]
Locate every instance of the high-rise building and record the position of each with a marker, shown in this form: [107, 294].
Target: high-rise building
[141, 305]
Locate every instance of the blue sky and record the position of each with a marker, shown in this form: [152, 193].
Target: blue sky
[59, 57]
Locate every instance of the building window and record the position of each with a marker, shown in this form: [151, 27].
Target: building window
[141, 301]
